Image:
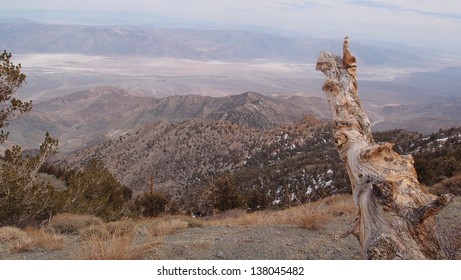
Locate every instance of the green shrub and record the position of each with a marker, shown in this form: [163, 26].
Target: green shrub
[223, 194]
[22, 197]
[150, 204]
[95, 191]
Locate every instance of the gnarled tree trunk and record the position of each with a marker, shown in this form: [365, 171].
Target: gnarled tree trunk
[395, 217]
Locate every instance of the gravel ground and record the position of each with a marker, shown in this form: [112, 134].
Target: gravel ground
[283, 242]
[259, 243]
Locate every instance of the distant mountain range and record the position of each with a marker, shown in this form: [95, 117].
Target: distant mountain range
[90, 117]
[198, 44]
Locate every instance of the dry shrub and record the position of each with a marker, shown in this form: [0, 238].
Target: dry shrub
[15, 239]
[231, 214]
[167, 227]
[313, 215]
[316, 215]
[114, 247]
[449, 185]
[158, 226]
[105, 231]
[310, 216]
[18, 240]
[340, 204]
[111, 241]
[49, 241]
[67, 223]
[191, 221]
[8, 234]
[23, 244]
[92, 231]
[126, 227]
[258, 218]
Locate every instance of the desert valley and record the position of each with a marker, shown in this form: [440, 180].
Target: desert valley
[201, 114]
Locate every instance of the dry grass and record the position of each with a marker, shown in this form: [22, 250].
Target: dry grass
[92, 231]
[17, 240]
[259, 218]
[46, 240]
[8, 234]
[112, 241]
[167, 227]
[317, 214]
[127, 239]
[67, 223]
[191, 221]
[312, 216]
[104, 231]
[124, 227]
[21, 245]
[340, 204]
[113, 247]
[449, 185]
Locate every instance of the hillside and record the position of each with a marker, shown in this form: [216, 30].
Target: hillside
[92, 116]
[292, 162]
[291, 159]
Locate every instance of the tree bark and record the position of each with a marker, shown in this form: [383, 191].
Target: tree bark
[396, 219]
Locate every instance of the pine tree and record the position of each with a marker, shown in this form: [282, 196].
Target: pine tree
[11, 79]
[22, 196]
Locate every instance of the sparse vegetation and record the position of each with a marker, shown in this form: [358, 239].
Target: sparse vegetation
[95, 191]
[150, 204]
[223, 194]
[133, 239]
[9, 233]
[68, 223]
[112, 247]
[17, 240]
[311, 216]
[166, 227]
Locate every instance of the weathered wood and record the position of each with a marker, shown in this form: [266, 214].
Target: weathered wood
[395, 217]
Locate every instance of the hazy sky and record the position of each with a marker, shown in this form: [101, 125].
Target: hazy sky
[431, 23]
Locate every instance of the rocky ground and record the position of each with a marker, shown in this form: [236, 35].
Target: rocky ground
[240, 242]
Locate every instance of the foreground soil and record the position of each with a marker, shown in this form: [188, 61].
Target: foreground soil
[259, 243]
[240, 242]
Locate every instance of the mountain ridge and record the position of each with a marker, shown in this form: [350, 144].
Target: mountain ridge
[198, 44]
[89, 117]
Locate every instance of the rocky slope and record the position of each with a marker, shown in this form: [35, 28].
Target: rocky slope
[291, 159]
[90, 117]
[288, 163]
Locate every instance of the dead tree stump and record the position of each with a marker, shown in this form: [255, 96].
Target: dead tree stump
[396, 219]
